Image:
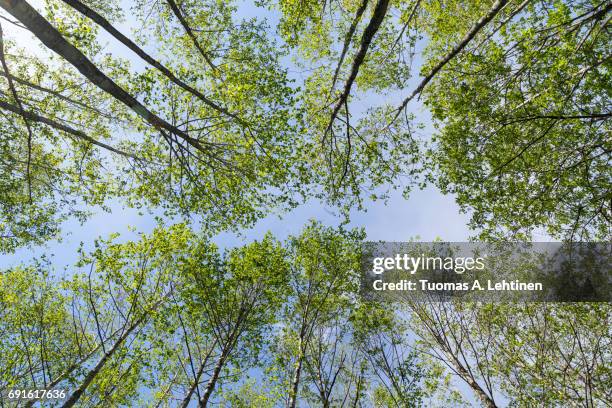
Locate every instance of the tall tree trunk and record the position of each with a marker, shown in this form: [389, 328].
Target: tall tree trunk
[66, 373]
[295, 382]
[214, 377]
[91, 375]
[104, 23]
[347, 41]
[193, 387]
[380, 10]
[484, 398]
[496, 8]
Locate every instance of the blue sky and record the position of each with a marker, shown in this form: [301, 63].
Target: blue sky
[426, 214]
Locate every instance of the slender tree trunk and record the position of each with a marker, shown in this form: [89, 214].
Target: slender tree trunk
[380, 10]
[66, 373]
[295, 383]
[325, 400]
[104, 23]
[91, 375]
[226, 349]
[496, 8]
[193, 387]
[214, 377]
[49, 36]
[177, 12]
[476, 388]
[347, 40]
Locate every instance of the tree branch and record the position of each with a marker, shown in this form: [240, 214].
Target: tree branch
[347, 40]
[106, 25]
[66, 129]
[496, 8]
[177, 12]
[21, 112]
[380, 11]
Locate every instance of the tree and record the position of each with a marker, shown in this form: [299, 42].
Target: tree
[208, 119]
[323, 263]
[523, 118]
[518, 91]
[533, 353]
[381, 338]
[352, 50]
[100, 316]
[333, 347]
[239, 301]
[168, 320]
[229, 158]
[35, 317]
[166, 313]
[216, 126]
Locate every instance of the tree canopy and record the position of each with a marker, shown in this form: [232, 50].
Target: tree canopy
[169, 320]
[228, 116]
[216, 114]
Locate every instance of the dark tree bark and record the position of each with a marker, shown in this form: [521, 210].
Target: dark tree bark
[380, 10]
[347, 40]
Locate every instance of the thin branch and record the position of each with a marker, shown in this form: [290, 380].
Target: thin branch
[496, 8]
[57, 94]
[51, 38]
[104, 23]
[66, 129]
[177, 12]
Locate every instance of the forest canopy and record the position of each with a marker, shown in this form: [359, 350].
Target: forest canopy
[210, 115]
[205, 116]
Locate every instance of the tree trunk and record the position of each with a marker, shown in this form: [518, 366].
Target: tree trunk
[213, 379]
[380, 10]
[66, 373]
[295, 383]
[476, 388]
[193, 387]
[104, 23]
[94, 371]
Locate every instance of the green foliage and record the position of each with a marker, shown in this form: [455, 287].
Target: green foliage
[238, 118]
[523, 119]
[175, 320]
